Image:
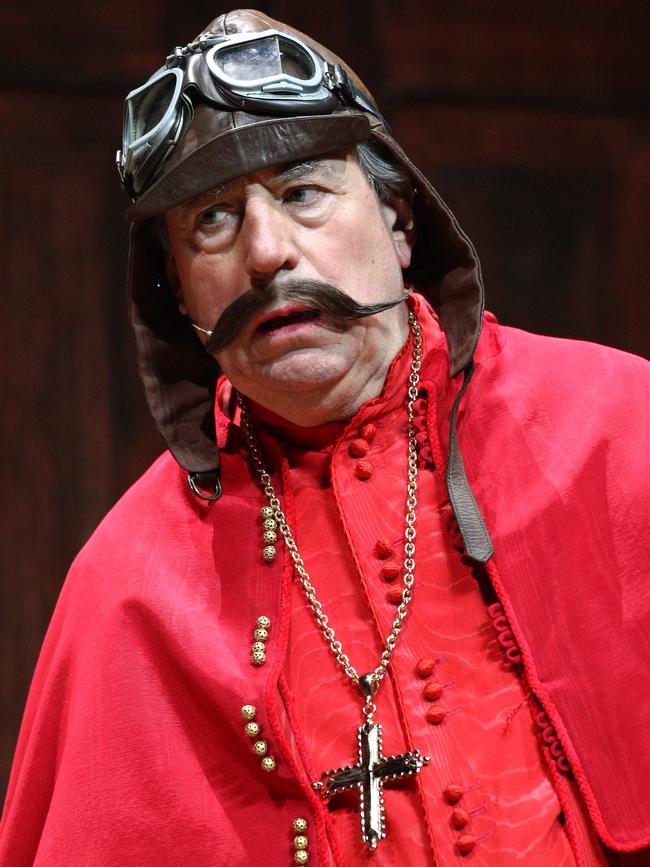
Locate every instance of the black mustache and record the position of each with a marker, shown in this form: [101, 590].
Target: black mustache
[323, 297]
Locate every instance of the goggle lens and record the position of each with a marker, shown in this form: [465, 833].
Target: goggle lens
[296, 62]
[264, 58]
[146, 109]
[250, 62]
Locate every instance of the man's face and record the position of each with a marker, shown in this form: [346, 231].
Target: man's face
[319, 221]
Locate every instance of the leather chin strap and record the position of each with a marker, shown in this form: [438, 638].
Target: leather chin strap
[476, 537]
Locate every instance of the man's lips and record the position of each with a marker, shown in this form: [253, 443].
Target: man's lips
[283, 317]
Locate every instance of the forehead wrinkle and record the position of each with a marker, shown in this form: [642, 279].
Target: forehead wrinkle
[299, 170]
[190, 204]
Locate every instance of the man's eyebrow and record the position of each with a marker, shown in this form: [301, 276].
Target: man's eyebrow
[190, 204]
[299, 170]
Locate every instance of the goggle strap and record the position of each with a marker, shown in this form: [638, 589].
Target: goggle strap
[180, 54]
[363, 102]
[341, 85]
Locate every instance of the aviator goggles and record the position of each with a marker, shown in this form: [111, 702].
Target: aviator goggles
[269, 72]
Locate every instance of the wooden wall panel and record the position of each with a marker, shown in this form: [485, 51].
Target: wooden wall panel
[73, 416]
[543, 51]
[531, 119]
[557, 206]
[93, 46]
[630, 283]
[98, 46]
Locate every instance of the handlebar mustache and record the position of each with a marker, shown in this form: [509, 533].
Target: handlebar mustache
[331, 302]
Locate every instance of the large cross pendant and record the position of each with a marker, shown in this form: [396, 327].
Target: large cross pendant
[369, 775]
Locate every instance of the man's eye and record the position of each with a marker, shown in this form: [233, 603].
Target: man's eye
[213, 216]
[303, 195]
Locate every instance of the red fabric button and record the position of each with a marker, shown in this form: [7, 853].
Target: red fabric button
[383, 548]
[459, 818]
[453, 793]
[436, 715]
[364, 470]
[465, 844]
[358, 448]
[495, 610]
[433, 690]
[549, 736]
[368, 432]
[513, 655]
[390, 571]
[425, 667]
[394, 595]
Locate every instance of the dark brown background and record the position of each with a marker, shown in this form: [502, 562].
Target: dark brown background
[531, 118]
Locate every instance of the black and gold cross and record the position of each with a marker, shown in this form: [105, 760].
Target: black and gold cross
[369, 775]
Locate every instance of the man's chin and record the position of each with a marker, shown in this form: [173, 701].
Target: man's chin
[300, 370]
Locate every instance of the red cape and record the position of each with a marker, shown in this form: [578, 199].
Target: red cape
[130, 748]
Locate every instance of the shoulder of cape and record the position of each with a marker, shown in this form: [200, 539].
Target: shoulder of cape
[156, 524]
[150, 506]
[527, 366]
[569, 408]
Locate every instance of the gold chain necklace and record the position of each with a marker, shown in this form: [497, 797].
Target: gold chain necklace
[372, 768]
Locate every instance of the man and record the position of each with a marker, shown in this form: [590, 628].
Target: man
[387, 597]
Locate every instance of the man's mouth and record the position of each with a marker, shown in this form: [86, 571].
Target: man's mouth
[278, 320]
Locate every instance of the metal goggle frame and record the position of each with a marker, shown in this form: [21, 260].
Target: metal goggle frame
[268, 72]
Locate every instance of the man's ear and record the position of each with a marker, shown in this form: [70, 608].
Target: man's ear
[398, 213]
[174, 282]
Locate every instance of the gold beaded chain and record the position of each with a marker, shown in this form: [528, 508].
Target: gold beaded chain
[369, 683]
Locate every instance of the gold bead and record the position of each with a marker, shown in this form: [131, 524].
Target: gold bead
[248, 711]
[260, 748]
[270, 524]
[270, 536]
[258, 647]
[263, 621]
[300, 825]
[268, 763]
[266, 512]
[261, 634]
[258, 658]
[269, 553]
[300, 842]
[252, 729]
[301, 857]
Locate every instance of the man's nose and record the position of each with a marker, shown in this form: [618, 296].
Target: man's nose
[268, 235]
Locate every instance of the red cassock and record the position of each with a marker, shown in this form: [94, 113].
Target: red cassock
[524, 680]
